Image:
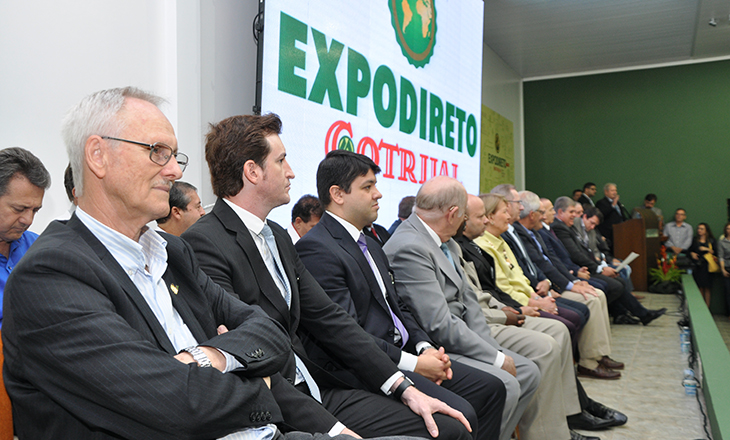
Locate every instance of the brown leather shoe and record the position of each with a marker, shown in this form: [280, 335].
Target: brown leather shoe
[611, 364]
[599, 372]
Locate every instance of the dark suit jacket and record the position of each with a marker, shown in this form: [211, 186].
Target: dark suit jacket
[337, 263]
[228, 254]
[484, 265]
[580, 255]
[585, 200]
[383, 234]
[610, 218]
[557, 248]
[548, 267]
[86, 358]
[522, 259]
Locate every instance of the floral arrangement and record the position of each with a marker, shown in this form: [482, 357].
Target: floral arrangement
[666, 269]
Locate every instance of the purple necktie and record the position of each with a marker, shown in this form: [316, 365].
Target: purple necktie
[398, 324]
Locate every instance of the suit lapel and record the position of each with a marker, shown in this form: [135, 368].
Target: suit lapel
[444, 264]
[343, 238]
[268, 287]
[124, 282]
[178, 296]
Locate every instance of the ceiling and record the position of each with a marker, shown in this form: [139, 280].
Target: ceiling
[540, 38]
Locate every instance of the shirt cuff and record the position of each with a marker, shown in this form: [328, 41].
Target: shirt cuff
[499, 360]
[569, 286]
[407, 362]
[422, 346]
[385, 388]
[336, 430]
[231, 362]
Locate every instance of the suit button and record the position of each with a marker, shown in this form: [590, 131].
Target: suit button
[268, 416]
[391, 333]
[290, 380]
[252, 417]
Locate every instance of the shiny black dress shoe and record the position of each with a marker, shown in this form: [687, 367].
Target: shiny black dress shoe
[575, 436]
[603, 412]
[652, 315]
[625, 319]
[588, 422]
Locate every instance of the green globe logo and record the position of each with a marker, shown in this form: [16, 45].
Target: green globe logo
[346, 143]
[414, 22]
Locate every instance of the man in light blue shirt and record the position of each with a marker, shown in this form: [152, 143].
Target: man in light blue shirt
[23, 180]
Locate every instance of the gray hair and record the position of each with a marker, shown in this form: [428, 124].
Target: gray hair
[96, 114]
[504, 190]
[530, 203]
[608, 185]
[16, 160]
[563, 203]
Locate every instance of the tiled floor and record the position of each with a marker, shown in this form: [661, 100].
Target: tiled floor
[650, 391]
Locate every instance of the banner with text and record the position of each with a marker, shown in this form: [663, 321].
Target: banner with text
[396, 80]
[498, 150]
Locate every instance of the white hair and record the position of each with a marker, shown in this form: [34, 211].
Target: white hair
[96, 115]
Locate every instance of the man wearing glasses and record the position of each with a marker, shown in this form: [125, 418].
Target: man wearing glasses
[111, 329]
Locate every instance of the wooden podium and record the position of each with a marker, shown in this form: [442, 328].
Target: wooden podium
[640, 235]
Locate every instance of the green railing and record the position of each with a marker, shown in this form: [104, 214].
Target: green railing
[715, 360]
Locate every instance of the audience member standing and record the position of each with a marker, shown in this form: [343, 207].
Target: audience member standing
[702, 245]
[679, 233]
[613, 211]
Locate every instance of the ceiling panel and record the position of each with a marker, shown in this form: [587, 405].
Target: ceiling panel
[549, 37]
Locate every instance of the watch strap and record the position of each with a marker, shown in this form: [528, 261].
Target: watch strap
[199, 355]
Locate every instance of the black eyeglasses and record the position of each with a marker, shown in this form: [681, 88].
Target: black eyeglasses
[159, 152]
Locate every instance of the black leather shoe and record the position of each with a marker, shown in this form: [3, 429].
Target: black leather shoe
[575, 436]
[652, 315]
[602, 411]
[625, 319]
[588, 422]
[600, 372]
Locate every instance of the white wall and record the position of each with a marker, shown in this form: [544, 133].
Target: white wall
[502, 92]
[199, 55]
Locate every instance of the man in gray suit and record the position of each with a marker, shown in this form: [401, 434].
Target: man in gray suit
[422, 255]
[429, 279]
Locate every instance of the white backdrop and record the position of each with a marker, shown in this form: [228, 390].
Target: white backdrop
[312, 128]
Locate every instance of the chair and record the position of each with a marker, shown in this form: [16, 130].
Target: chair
[6, 414]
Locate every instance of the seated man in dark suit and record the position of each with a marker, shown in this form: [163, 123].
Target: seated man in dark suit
[354, 272]
[254, 259]
[620, 300]
[112, 330]
[405, 208]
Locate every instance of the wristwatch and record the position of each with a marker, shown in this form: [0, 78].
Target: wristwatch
[398, 393]
[199, 356]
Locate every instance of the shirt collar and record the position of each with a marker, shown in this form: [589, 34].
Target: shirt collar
[546, 226]
[492, 240]
[252, 222]
[430, 231]
[349, 227]
[150, 251]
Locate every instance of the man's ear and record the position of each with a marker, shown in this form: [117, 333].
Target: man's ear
[298, 221]
[337, 195]
[176, 213]
[96, 155]
[252, 172]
